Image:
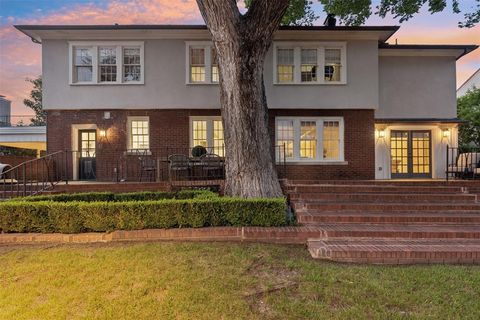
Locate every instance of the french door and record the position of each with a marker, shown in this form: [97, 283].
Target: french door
[411, 154]
[87, 157]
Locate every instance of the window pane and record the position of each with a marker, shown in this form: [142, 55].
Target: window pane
[199, 134]
[132, 66]
[308, 66]
[83, 57]
[308, 139]
[197, 74]
[218, 140]
[309, 56]
[332, 64]
[331, 140]
[285, 63]
[285, 138]
[107, 55]
[215, 77]
[139, 134]
[197, 56]
[84, 74]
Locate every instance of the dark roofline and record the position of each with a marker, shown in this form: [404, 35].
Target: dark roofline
[419, 120]
[193, 27]
[467, 48]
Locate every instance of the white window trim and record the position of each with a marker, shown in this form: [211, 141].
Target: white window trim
[207, 46]
[130, 149]
[320, 46]
[94, 45]
[296, 140]
[209, 120]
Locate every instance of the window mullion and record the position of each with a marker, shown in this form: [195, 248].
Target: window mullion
[208, 64]
[296, 139]
[95, 64]
[119, 52]
[321, 64]
[320, 139]
[297, 64]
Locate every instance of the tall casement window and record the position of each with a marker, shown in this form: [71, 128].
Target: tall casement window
[138, 133]
[300, 62]
[201, 63]
[285, 65]
[207, 132]
[310, 139]
[83, 71]
[106, 62]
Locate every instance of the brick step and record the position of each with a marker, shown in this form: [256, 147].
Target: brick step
[322, 188]
[385, 198]
[386, 207]
[398, 251]
[459, 183]
[388, 217]
[409, 231]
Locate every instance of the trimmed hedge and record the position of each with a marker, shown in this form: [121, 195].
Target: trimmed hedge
[119, 197]
[78, 216]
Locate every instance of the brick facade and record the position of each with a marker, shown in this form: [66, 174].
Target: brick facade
[170, 129]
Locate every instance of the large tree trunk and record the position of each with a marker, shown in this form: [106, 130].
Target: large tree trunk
[242, 42]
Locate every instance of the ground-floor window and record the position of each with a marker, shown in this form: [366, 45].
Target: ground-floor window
[310, 139]
[138, 133]
[207, 132]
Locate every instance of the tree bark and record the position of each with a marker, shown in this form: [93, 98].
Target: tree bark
[241, 42]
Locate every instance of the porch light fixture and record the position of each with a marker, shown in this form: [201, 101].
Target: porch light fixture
[381, 133]
[103, 133]
[445, 133]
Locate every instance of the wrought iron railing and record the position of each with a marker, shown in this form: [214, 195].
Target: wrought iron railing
[462, 163]
[33, 176]
[178, 166]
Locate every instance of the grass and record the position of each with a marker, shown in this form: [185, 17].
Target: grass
[222, 281]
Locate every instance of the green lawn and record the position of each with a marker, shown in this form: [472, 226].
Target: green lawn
[222, 281]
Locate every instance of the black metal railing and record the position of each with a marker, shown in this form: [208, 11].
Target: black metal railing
[462, 163]
[177, 166]
[33, 176]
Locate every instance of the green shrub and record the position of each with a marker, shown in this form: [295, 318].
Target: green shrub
[120, 197]
[82, 216]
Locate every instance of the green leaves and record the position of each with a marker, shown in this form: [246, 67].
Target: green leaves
[35, 102]
[468, 108]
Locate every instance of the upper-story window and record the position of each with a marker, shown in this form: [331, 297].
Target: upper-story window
[202, 63]
[106, 62]
[310, 63]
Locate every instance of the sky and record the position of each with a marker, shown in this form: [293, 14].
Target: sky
[21, 59]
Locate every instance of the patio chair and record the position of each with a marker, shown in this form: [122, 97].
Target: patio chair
[148, 165]
[178, 166]
[212, 166]
[465, 165]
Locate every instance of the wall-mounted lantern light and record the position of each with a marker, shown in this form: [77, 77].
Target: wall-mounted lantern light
[381, 133]
[103, 133]
[445, 133]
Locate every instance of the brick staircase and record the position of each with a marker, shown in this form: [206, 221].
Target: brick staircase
[390, 222]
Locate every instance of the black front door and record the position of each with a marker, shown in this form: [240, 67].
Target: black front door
[87, 152]
[411, 154]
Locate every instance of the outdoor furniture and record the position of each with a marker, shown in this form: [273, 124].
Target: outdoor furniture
[465, 165]
[212, 166]
[198, 151]
[178, 166]
[3, 168]
[148, 165]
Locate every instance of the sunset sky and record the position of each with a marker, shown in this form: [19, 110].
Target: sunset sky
[21, 59]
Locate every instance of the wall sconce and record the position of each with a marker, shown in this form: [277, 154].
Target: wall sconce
[381, 133]
[102, 133]
[445, 133]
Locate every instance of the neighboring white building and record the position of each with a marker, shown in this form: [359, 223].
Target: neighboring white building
[473, 81]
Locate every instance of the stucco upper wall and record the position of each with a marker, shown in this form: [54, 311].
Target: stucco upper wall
[417, 87]
[165, 83]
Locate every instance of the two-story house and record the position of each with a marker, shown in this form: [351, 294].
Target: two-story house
[343, 103]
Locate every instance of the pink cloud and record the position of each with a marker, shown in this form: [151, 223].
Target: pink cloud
[20, 58]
